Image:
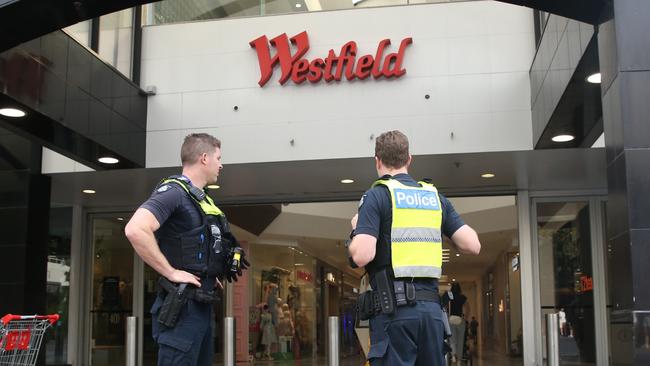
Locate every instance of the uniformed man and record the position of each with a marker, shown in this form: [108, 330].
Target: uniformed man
[181, 233]
[397, 236]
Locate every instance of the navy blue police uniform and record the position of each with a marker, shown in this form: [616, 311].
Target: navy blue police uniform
[190, 341]
[413, 335]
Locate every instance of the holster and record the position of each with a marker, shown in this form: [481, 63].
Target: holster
[368, 305]
[191, 293]
[172, 303]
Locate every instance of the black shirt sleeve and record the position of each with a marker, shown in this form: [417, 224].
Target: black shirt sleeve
[164, 201]
[370, 213]
[451, 220]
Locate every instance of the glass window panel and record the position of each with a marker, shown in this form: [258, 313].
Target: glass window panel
[174, 11]
[566, 278]
[58, 284]
[112, 297]
[116, 40]
[282, 278]
[80, 32]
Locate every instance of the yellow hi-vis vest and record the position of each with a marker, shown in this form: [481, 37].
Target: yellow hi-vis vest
[207, 205]
[416, 235]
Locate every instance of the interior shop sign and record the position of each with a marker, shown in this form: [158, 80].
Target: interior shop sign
[333, 67]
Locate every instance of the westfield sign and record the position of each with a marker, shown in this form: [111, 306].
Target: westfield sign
[333, 67]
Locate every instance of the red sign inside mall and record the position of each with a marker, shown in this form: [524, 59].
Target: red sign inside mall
[333, 67]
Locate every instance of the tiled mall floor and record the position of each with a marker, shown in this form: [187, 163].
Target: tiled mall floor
[484, 358]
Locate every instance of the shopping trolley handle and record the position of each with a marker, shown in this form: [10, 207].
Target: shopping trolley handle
[10, 317]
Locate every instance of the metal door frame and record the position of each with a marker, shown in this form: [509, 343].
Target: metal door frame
[533, 326]
[83, 254]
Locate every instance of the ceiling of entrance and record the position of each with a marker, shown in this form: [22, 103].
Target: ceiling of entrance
[320, 229]
[319, 180]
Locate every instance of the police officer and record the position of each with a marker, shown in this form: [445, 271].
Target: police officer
[181, 233]
[397, 236]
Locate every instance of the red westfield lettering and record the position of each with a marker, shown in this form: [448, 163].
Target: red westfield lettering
[332, 67]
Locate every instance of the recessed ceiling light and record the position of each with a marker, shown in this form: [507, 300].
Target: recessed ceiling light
[89, 191]
[108, 160]
[457, 255]
[487, 175]
[120, 219]
[298, 5]
[563, 138]
[12, 112]
[594, 78]
[214, 186]
[454, 280]
[347, 181]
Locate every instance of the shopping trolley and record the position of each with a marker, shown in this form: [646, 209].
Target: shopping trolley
[21, 337]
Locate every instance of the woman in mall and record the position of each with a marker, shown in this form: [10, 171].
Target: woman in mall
[456, 302]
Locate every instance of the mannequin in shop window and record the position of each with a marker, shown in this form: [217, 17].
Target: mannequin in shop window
[285, 330]
[267, 328]
[293, 298]
[271, 298]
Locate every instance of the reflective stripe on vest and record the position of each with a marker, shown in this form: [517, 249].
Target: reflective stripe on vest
[207, 205]
[416, 236]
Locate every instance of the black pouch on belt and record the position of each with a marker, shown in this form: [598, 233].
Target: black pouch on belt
[172, 305]
[400, 293]
[365, 306]
[386, 292]
[410, 293]
[206, 297]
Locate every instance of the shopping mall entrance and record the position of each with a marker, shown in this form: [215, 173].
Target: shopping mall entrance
[300, 276]
[542, 252]
[300, 273]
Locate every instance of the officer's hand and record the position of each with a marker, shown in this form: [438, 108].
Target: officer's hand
[179, 276]
[238, 263]
[354, 221]
[243, 263]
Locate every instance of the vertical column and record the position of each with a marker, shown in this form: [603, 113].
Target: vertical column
[24, 221]
[240, 311]
[624, 52]
[24, 229]
[530, 293]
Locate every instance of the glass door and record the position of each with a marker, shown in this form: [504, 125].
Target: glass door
[112, 289]
[566, 278]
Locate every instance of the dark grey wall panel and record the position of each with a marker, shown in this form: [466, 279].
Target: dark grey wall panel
[82, 97]
[563, 44]
[633, 43]
[625, 67]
